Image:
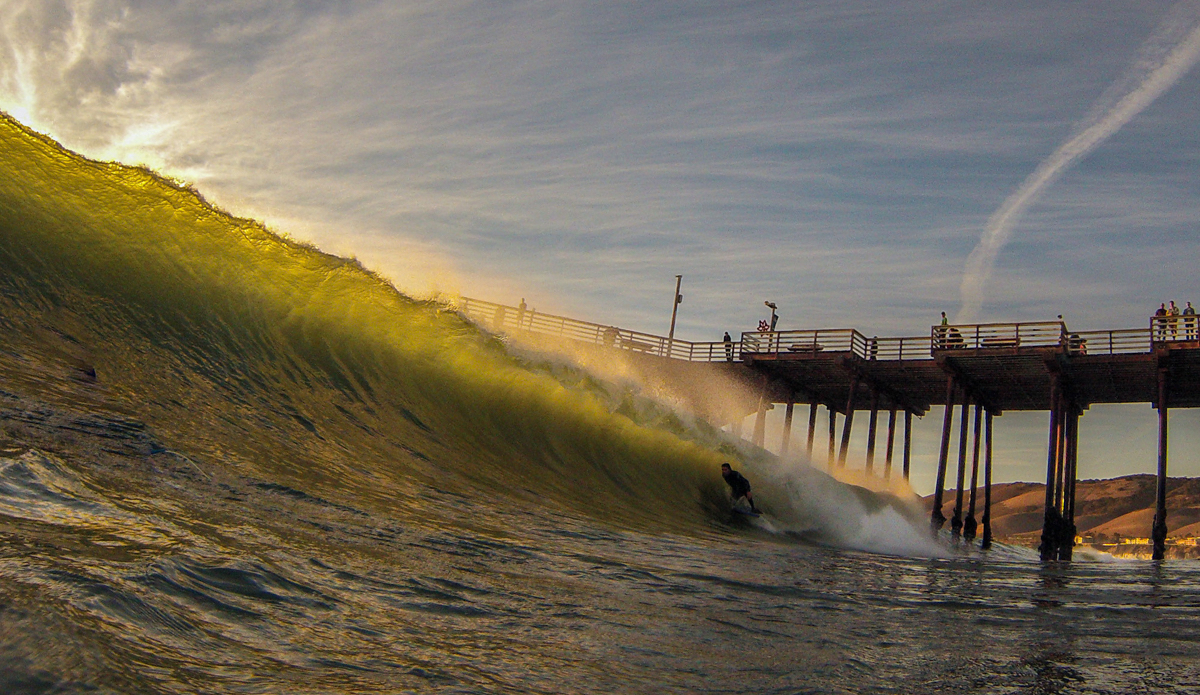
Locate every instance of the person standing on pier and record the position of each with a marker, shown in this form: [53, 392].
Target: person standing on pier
[728, 347]
[1160, 320]
[1189, 322]
[1173, 312]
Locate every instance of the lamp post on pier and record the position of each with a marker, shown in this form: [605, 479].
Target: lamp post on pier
[674, 312]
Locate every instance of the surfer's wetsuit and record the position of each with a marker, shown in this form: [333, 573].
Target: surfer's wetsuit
[737, 484]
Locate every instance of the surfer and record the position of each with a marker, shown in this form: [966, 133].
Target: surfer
[738, 485]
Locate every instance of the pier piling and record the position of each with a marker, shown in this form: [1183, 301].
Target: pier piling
[1158, 533]
[987, 483]
[907, 442]
[1052, 519]
[849, 422]
[871, 427]
[787, 426]
[937, 518]
[956, 521]
[812, 427]
[891, 440]
[832, 435]
[1071, 444]
[970, 525]
[760, 419]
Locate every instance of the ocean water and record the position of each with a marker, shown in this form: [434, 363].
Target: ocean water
[176, 579]
[230, 463]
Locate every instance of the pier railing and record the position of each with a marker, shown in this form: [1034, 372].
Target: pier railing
[835, 340]
[503, 318]
[1172, 329]
[1123, 342]
[999, 335]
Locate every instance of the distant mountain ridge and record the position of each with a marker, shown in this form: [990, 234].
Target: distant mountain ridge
[1123, 506]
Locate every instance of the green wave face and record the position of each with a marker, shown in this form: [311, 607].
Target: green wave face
[266, 356]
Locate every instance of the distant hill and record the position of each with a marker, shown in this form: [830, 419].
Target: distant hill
[1122, 506]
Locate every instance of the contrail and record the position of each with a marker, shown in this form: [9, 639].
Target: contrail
[1162, 61]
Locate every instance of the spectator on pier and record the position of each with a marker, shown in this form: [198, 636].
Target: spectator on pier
[1173, 313]
[941, 331]
[728, 347]
[1160, 320]
[1189, 323]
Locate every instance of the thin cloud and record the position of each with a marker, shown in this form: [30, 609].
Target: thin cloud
[1164, 59]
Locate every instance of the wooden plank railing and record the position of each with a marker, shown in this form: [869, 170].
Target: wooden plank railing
[503, 318]
[509, 319]
[1123, 342]
[999, 335]
[1172, 329]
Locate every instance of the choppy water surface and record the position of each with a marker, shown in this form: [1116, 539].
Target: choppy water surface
[222, 584]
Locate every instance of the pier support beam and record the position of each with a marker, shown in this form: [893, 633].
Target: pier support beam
[871, 427]
[891, 440]
[1070, 459]
[1158, 534]
[787, 426]
[907, 442]
[987, 484]
[832, 434]
[956, 522]
[812, 428]
[1053, 520]
[970, 525]
[849, 423]
[937, 519]
[760, 419]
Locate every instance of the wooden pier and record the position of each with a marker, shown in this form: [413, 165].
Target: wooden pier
[986, 369]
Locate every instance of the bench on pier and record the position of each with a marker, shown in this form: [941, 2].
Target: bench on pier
[638, 345]
[997, 342]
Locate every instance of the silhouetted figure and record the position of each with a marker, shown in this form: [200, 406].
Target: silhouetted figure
[739, 486]
[728, 347]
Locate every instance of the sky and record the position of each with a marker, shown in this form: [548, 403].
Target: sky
[860, 163]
